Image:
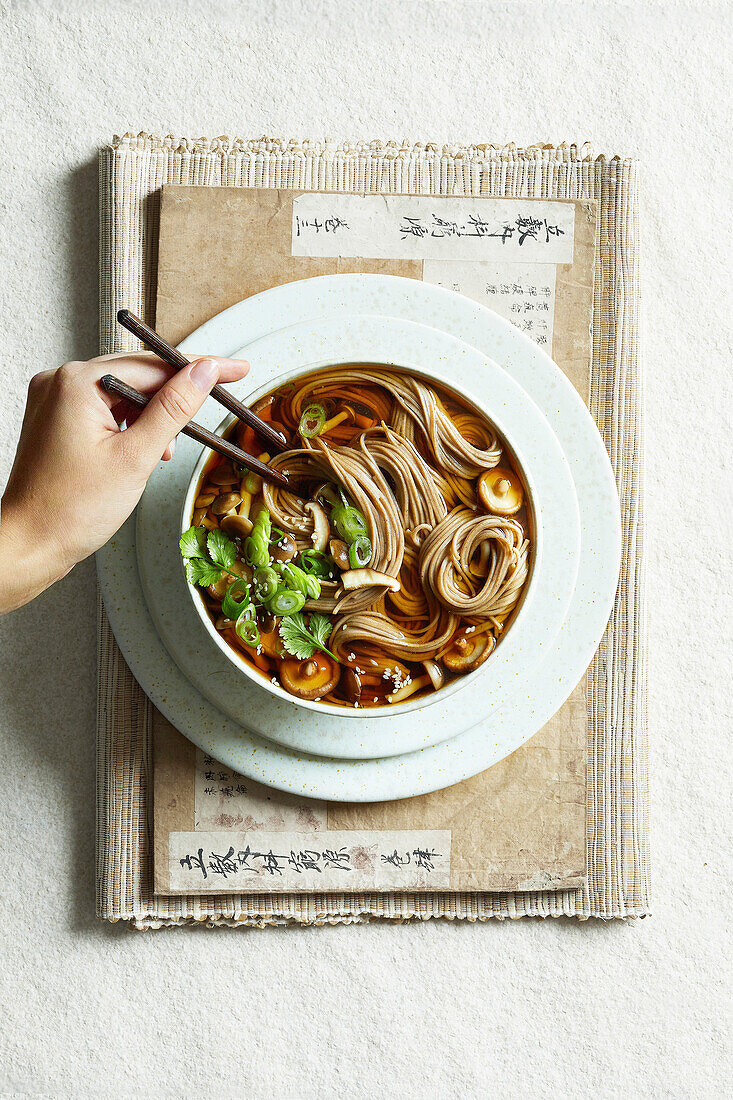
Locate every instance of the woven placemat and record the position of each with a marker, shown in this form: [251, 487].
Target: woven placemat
[132, 171]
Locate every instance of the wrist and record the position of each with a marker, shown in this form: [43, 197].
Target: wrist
[31, 561]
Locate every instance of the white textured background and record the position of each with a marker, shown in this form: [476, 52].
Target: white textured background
[435, 1010]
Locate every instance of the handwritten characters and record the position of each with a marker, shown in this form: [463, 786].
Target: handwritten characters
[423, 858]
[302, 861]
[221, 781]
[536, 229]
[319, 225]
[268, 862]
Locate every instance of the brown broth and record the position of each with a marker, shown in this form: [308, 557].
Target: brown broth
[273, 409]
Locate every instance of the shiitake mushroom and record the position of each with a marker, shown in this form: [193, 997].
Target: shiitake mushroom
[311, 678]
[468, 650]
[500, 491]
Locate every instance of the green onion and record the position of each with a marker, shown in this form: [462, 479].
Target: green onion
[232, 607]
[247, 630]
[253, 483]
[276, 535]
[265, 583]
[263, 520]
[299, 581]
[257, 549]
[360, 552]
[350, 523]
[312, 421]
[285, 602]
[316, 564]
[257, 543]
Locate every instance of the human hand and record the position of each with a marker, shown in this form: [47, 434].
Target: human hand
[76, 476]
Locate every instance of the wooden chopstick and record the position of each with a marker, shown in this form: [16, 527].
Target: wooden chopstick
[275, 440]
[113, 385]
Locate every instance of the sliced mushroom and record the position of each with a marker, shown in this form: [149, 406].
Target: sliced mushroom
[435, 672]
[410, 688]
[328, 493]
[500, 491]
[226, 503]
[237, 527]
[340, 553]
[223, 474]
[321, 529]
[310, 679]
[222, 623]
[351, 685]
[362, 578]
[219, 588]
[468, 650]
[245, 506]
[284, 549]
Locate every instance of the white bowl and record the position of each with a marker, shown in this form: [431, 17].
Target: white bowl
[520, 623]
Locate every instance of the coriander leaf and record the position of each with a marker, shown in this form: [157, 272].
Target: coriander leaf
[200, 571]
[193, 543]
[221, 548]
[296, 637]
[320, 627]
[301, 641]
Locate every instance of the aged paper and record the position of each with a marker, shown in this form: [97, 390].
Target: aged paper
[225, 800]
[521, 824]
[522, 293]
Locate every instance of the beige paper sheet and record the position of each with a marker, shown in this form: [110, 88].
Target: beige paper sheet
[521, 824]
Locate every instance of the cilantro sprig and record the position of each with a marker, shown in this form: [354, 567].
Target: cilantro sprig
[207, 555]
[303, 639]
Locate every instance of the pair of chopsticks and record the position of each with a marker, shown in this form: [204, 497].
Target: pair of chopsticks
[272, 438]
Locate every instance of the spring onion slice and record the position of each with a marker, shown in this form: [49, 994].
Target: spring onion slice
[257, 543]
[349, 521]
[276, 534]
[312, 421]
[232, 607]
[246, 629]
[300, 581]
[285, 602]
[265, 583]
[316, 564]
[360, 552]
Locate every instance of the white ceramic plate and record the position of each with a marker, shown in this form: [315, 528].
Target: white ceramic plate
[219, 674]
[567, 657]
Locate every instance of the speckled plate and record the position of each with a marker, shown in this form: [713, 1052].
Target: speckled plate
[568, 655]
[227, 680]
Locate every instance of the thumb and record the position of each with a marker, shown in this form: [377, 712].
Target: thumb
[171, 408]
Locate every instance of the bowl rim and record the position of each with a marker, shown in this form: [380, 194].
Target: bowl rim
[410, 705]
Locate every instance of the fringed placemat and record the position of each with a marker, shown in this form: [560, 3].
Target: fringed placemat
[132, 170]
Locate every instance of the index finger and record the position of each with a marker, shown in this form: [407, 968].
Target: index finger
[146, 372]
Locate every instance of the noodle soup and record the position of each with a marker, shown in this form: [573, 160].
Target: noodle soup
[397, 560]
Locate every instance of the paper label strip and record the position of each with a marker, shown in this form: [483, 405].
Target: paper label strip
[425, 228]
[257, 861]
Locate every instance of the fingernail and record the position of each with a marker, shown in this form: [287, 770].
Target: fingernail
[204, 374]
